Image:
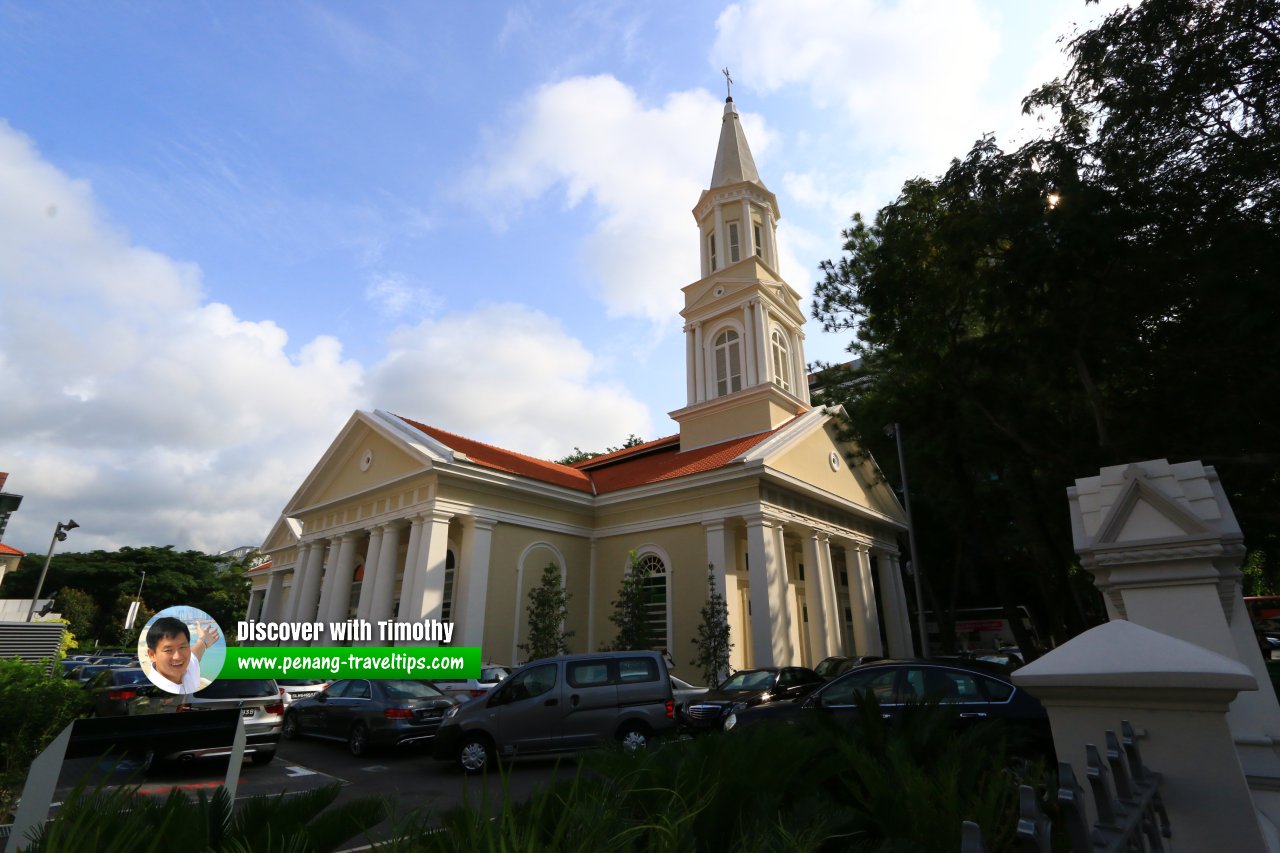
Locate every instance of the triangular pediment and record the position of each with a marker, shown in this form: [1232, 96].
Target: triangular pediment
[1142, 513]
[373, 449]
[810, 451]
[747, 278]
[285, 533]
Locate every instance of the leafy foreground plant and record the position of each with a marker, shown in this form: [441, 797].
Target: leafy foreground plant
[875, 787]
[123, 821]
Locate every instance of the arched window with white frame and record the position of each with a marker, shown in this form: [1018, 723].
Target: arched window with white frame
[727, 354]
[657, 597]
[781, 360]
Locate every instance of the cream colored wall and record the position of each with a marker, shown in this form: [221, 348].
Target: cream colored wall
[809, 461]
[757, 416]
[343, 475]
[655, 508]
[542, 507]
[509, 543]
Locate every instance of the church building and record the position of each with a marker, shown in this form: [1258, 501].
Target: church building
[400, 519]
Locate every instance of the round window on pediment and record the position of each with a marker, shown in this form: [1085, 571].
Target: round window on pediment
[366, 460]
[834, 461]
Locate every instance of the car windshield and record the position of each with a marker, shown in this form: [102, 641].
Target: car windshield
[237, 688]
[410, 690]
[753, 680]
[492, 674]
[130, 676]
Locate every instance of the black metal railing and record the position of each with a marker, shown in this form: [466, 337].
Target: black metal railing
[1126, 798]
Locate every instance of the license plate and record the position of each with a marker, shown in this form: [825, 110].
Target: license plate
[248, 712]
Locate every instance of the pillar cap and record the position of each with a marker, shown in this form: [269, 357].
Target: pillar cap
[1124, 654]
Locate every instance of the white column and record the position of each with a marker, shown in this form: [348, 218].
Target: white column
[722, 245]
[310, 593]
[802, 377]
[770, 621]
[344, 571]
[831, 601]
[591, 598]
[771, 239]
[365, 605]
[384, 586]
[862, 601]
[326, 582]
[748, 238]
[699, 363]
[749, 345]
[791, 597]
[291, 596]
[409, 584]
[272, 601]
[815, 598]
[762, 340]
[433, 552]
[471, 580]
[893, 607]
[718, 554]
[690, 356]
[899, 603]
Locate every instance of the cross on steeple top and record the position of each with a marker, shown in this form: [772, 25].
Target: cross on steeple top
[728, 83]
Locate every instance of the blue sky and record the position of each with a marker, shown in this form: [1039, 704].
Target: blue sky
[226, 226]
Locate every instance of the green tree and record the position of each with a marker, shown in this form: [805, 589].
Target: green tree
[580, 455]
[548, 609]
[631, 609]
[1097, 296]
[712, 642]
[80, 611]
[34, 707]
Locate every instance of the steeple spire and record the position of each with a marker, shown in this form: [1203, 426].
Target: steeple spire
[734, 163]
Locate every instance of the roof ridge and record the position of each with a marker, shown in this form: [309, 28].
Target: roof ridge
[626, 452]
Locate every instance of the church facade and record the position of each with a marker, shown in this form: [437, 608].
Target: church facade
[403, 520]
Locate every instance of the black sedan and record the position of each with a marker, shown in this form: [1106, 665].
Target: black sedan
[975, 694]
[747, 689]
[112, 689]
[830, 667]
[369, 712]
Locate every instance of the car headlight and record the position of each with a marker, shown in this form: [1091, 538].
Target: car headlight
[452, 712]
[730, 722]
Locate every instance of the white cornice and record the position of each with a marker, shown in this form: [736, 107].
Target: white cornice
[417, 439]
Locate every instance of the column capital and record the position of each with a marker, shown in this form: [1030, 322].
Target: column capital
[479, 522]
[717, 524]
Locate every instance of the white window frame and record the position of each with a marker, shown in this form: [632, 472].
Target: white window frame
[735, 243]
[780, 347]
[660, 554]
[729, 348]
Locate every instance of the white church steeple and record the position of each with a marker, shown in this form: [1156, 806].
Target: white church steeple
[745, 341]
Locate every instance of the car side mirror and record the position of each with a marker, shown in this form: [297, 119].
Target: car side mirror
[322, 696]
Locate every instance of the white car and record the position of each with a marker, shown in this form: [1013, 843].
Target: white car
[469, 688]
[300, 688]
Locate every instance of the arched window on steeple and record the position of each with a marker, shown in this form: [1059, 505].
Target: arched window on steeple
[781, 360]
[728, 362]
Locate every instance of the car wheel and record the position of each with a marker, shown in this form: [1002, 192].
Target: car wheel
[358, 739]
[260, 758]
[289, 731]
[474, 753]
[634, 737]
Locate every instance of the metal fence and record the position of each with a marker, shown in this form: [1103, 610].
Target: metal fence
[1126, 798]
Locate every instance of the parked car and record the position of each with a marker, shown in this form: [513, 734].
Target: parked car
[830, 667]
[85, 672]
[370, 712]
[300, 688]
[683, 691]
[562, 704]
[746, 689]
[976, 693]
[261, 704]
[469, 688]
[111, 690]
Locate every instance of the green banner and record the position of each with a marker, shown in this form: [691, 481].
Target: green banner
[421, 662]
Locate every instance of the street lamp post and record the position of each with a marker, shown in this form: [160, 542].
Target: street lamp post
[59, 535]
[894, 431]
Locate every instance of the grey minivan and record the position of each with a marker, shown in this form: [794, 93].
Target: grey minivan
[562, 704]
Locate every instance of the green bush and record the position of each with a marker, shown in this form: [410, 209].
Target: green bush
[34, 707]
[874, 787]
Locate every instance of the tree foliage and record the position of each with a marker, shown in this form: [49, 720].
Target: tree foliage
[631, 609]
[111, 577]
[1101, 295]
[547, 611]
[34, 707]
[580, 455]
[712, 641]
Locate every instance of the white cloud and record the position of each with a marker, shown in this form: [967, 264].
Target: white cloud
[508, 375]
[131, 404]
[153, 416]
[395, 295]
[641, 168]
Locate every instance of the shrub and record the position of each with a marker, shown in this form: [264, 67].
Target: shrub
[34, 707]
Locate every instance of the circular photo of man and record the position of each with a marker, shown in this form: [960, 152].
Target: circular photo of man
[181, 649]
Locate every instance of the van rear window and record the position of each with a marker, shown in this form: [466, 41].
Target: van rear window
[587, 674]
[631, 670]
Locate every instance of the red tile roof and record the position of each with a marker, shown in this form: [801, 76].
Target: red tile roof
[14, 552]
[651, 462]
[507, 460]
